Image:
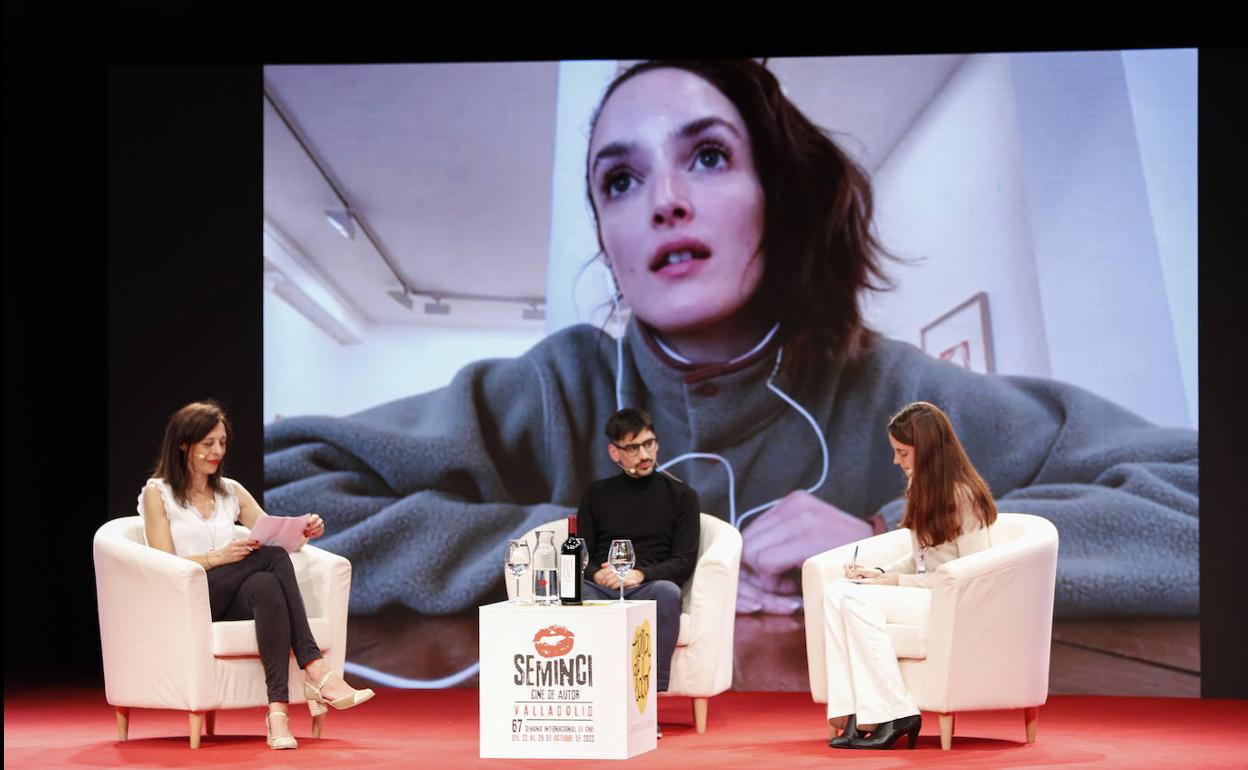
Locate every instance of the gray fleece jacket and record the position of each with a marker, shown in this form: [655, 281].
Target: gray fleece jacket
[421, 493]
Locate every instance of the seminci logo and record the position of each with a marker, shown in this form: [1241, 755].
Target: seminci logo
[553, 641]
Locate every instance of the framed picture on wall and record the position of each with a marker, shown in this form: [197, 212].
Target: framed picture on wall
[962, 336]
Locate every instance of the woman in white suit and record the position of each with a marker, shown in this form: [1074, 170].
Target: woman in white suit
[948, 511]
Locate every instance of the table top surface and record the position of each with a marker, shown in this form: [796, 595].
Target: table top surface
[593, 607]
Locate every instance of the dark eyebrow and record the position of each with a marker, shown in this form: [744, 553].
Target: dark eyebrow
[690, 129]
[613, 150]
[700, 125]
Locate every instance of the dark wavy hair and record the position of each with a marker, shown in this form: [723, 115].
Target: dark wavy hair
[820, 250]
[186, 428]
[942, 477]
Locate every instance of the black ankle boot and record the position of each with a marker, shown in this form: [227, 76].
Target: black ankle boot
[887, 733]
[850, 733]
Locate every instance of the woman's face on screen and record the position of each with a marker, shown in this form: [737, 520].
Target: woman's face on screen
[679, 204]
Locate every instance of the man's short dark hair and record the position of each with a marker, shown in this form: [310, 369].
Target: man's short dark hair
[627, 422]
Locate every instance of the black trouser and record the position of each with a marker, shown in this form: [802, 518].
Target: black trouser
[262, 586]
[667, 597]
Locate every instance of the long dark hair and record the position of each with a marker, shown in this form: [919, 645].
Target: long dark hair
[186, 428]
[817, 237]
[942, 477]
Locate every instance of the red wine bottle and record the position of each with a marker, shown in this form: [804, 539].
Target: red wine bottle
[571, 565]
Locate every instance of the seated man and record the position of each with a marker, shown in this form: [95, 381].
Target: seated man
[654, 510]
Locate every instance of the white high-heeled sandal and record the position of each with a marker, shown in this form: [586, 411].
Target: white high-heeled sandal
[279, 741]
[317, 702]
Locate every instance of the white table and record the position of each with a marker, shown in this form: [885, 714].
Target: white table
[568, 682]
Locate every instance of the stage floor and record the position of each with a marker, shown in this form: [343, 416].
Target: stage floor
[75, 728]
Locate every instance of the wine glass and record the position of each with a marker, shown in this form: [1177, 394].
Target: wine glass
[621, 557]
[517, 559]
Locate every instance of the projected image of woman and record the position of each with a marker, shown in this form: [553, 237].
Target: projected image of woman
[740, 238]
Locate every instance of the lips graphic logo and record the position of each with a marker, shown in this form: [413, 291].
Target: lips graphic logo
[553, 641]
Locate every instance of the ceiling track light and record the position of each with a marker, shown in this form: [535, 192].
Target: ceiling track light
[401, 296]
[535, 310]
[343, 222]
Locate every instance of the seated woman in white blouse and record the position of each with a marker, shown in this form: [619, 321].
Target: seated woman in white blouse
[189, 509]
[948, 511]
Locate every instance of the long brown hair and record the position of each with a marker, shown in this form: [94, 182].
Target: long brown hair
[942, 476]
[186, 428]
[818, 241]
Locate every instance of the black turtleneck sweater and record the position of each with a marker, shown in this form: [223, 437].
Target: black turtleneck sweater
[657, 512]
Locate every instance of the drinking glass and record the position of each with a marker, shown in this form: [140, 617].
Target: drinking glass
[517, 559]
[621, 557]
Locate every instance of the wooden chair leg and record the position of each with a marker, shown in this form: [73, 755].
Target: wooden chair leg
[123, 722]
[318, 722]
[210, 723]
[197, 721]
[699, 714]
[946, 731]
[1031, 716]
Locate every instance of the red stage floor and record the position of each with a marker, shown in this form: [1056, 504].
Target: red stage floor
[438, 729]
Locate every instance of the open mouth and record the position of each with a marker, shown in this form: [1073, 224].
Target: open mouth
[671, 255]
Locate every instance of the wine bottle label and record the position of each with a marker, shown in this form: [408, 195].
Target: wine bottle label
[567, 576]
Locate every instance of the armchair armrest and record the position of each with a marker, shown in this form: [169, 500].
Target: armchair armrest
[325, 583]
[155, 625]
[818, 571]
[720, 559]
[711, 601]
[991, 624]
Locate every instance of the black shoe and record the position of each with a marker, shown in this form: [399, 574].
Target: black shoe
[886, 734]
[850, 733]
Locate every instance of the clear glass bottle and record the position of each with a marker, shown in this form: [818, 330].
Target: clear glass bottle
[545, 569]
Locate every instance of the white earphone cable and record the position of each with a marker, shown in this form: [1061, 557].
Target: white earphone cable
[732, 484]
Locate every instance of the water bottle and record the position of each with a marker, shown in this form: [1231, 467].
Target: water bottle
[545, 569]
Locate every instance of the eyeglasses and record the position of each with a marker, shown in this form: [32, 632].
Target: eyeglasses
[631, 450]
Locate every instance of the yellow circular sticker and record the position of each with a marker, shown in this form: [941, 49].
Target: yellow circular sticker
[643, 653]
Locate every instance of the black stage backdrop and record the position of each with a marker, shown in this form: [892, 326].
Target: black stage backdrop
[132, 285]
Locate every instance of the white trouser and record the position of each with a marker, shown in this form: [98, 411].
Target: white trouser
[863, 675]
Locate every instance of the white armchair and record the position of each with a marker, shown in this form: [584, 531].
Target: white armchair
[702, 664]
[983, 643]
[161, 648]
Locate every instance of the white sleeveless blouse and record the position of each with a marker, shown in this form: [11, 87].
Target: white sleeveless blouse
[192, 533]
